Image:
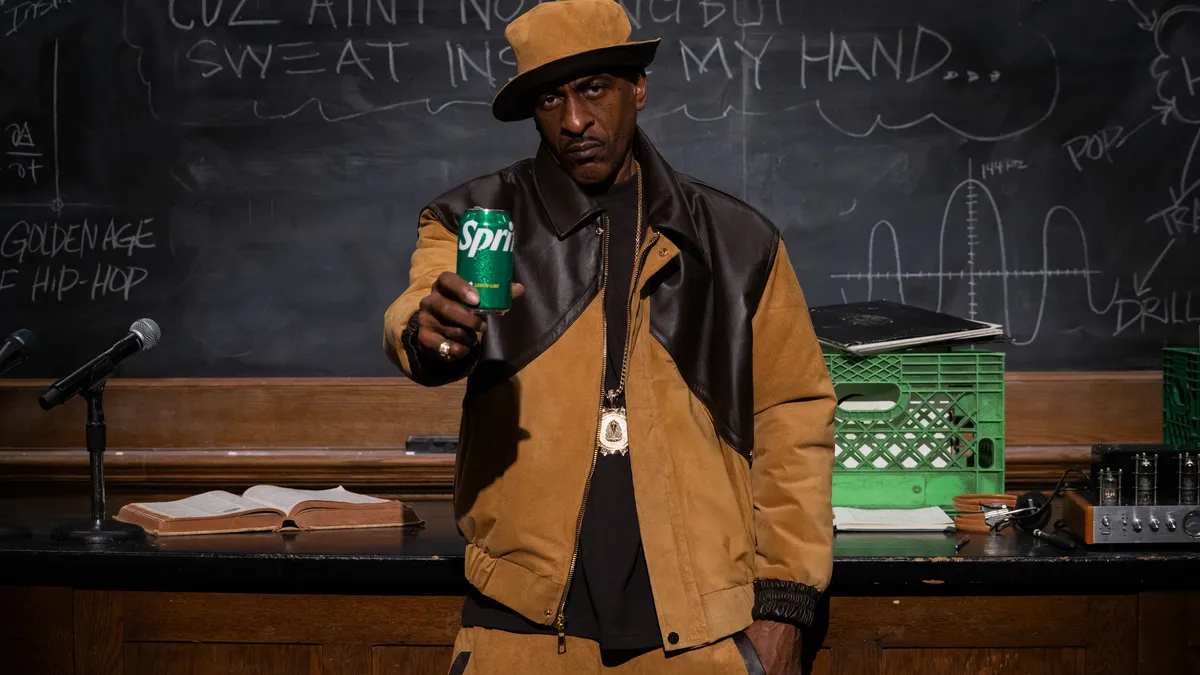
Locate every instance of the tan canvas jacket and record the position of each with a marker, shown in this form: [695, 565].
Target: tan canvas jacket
[730, 406]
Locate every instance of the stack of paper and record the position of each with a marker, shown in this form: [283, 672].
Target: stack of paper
[928, 519]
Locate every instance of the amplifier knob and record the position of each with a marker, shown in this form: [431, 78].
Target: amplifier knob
[1191, 523]
[1153, 524]
[1137, 524]
[1170, 523]
[1105, 522]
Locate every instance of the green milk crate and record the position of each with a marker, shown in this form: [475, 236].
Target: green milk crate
[941, 434]
[1181, 397]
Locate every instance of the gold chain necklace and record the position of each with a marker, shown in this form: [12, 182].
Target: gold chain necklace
[612, 435]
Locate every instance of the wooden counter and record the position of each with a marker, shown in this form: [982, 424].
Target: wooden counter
[387, 602]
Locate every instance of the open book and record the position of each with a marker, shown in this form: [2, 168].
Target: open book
[927, 519]
[267, 508]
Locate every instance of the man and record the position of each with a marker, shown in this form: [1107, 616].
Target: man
[646, 448]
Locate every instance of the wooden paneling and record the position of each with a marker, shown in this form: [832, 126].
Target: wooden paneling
[99, 633]
[1038, 661]
[388, 470]
[35, 631]
[238, 413]
[1041, 466]
[909, 622]
[201, 634]
[137, 469]
[236, 617]
[346, 658]
[820, 665]
[1082, 408]
[855, 660]
[1112, 633]
[1044, 634]
[172, 436]
[1041, 409]
[1168, 633]
[191, 659]
[411, 660]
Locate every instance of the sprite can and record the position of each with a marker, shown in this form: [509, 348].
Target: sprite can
[485, 257]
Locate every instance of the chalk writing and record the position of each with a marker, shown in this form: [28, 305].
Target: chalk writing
[187, 15]
[1000, 167]
[1181, 215]
[368, 58]
[700, 64]
[885, 58]
[1167, 309]
[915, 59]
[21, 156]
[735, 13]
[465, 64]
[344, 59]
[49, 259]
[1176, 68]
[18, 13]
[1098, 146]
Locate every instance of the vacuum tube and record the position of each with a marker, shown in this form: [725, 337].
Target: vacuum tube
[1145, 478]
[1188, 473]
[1110, 487]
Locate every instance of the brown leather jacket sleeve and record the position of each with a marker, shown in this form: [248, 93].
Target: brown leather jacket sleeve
[792, 469]
[437, 252]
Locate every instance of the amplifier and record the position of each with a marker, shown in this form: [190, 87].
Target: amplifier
[1141, 494]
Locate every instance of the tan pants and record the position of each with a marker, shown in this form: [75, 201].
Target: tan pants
[479, 651]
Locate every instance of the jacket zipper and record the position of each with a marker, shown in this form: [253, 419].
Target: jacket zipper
[560, 621]
[637, 277]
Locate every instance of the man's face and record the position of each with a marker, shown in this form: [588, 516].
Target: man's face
[589, 122]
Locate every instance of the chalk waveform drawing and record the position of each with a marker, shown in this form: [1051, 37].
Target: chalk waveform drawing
[980, 258]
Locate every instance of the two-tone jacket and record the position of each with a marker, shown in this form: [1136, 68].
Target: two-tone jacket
[730, 406]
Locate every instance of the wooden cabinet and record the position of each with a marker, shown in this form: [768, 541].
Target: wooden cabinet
[57, 631]
[1051, 635]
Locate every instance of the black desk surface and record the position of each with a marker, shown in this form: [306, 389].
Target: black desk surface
[429, 560]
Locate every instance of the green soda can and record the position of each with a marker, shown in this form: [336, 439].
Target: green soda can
[485, 257]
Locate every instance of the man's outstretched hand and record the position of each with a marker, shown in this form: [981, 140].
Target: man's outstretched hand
[778, 646]
[442, 317]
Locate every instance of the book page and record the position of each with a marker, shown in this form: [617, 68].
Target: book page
[286, 499]
[205, 505]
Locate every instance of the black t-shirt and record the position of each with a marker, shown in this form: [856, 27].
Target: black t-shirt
[610, 599]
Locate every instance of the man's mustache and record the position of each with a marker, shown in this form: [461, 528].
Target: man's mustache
[581, 143]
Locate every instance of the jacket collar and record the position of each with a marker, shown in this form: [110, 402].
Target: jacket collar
[569, 207]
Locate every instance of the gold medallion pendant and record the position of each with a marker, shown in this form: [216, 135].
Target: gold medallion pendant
[613, 435]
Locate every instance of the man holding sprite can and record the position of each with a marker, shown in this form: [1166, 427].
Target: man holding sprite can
[645, 452]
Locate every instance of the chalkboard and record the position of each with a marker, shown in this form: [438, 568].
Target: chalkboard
[248, 173]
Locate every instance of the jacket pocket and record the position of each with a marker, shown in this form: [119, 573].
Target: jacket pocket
[749, 655]
[459, 667]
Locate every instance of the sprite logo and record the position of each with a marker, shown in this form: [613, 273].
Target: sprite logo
[474, 239]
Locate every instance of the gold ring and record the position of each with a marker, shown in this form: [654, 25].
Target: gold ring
[444, 350]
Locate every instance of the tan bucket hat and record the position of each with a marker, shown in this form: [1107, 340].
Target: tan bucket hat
[558, 41]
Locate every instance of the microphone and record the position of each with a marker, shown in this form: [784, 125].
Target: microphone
[143, 335]
[15, 349]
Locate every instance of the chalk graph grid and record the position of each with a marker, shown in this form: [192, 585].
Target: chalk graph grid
[973, 274]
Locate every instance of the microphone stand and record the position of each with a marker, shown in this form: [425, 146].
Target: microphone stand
[99, 529]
